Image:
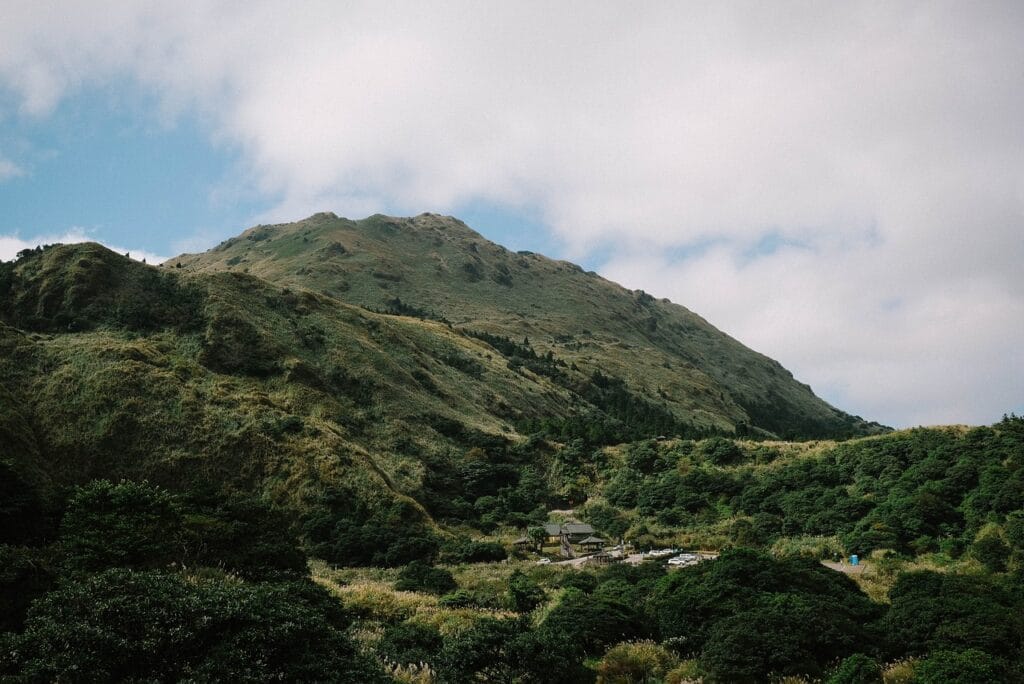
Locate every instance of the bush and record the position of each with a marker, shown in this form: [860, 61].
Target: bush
[23, 519]
[24, 576]
[959, 667]
[721, 451]
[523, 593]
[639, 661]
[932, 611]
[606, 519]
[129, 524]
[418, 576]
[857, 669]
[590, 624]
[484, 652]
[991, 551]
[409, 642]
[463, 550]
[461, 598]
[349, 530]
[748, 615]
[242, 535]
[232, 344]
[124, 625]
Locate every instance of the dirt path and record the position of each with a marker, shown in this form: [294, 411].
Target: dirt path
[845, 568]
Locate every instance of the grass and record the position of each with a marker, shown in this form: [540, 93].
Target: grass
[370, 594]
[660, 349]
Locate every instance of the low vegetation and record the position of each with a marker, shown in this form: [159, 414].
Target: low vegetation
[206, 476]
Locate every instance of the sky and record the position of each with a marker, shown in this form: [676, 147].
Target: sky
[837, 185]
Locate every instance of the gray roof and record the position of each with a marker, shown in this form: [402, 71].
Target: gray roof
[574, 529]
[522, 540]
[592, 540]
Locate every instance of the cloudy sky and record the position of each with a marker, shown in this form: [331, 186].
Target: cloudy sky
[838, 185]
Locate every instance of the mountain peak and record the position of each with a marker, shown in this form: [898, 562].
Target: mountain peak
[437, 267]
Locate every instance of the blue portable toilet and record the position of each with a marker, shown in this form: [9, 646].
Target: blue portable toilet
[854, 560]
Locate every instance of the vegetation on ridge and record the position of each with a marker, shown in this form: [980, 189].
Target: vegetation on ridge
[209, 476]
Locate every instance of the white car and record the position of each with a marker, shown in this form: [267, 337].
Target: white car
[682, 560]
[544, 561]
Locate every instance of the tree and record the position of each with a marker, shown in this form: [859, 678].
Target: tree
[857, 669]
[990, 550]
[960, 667]
[523, 593]
[721, 451]
[607, 519]
[538, 535]
[484, 652]
[748, 615]
[126, 625]
[129, 524]
[933, 611]
[418, 576]
[24, 576]
[410, 642]
[590, 624]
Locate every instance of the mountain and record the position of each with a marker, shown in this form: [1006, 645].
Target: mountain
[436, 267]
[367, 426]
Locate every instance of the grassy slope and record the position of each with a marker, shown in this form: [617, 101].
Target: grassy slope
[247, 384]
[439, 265]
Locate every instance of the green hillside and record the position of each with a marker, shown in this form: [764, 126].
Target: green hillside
[206, 475]
[198, 377]
[115, 369]
[436, 267]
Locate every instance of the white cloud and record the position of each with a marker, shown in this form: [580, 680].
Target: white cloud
[10, 245]
[885, 137]
[9, 169]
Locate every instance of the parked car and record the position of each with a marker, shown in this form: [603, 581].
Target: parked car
[544, 561]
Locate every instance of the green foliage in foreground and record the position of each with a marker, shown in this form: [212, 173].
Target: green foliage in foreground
[83, 610]
[122, 625]
[119, 605]
[747, 614]
[418, 576]
[857, 669]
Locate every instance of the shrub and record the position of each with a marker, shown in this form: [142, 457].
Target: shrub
[418, 576]
[243, 535]
[523, 593]
[23, 519]
[463, 550]
[639, 661]
[484, 652]
[748, 615]
[460, 598]
[959, 667]
[721, 451]
[944, 612]
[124, 625]
[590, 624]
[352, 531]
[991, 551]
[129, 524]
[24, 576]
[409, 642]
[232, 344]
[857, 669]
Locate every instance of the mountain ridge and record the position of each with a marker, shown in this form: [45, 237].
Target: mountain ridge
[438, 267]
[353, 420]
